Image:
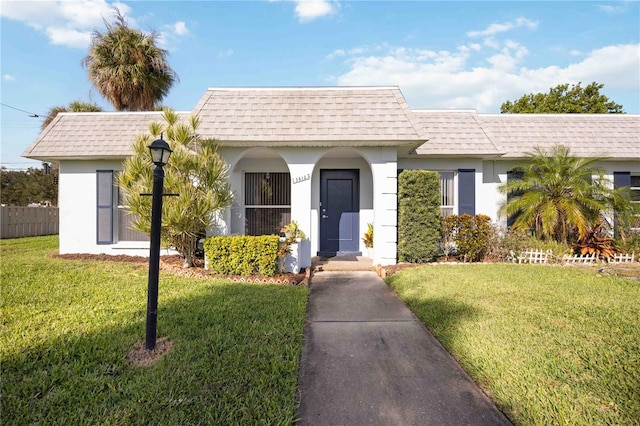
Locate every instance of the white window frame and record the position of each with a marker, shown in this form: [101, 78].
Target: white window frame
[448, 209]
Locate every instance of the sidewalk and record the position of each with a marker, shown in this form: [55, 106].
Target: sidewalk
[367, 360]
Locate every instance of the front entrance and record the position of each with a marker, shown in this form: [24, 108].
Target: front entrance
[339, 213]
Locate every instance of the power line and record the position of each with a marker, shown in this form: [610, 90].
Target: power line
[31, 114]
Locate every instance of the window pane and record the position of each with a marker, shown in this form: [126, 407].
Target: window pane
[446, 188]
[266, 221]
[267, 189]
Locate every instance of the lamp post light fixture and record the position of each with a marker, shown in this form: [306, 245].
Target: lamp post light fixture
[160, 153]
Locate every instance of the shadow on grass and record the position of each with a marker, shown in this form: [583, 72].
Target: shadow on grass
[442, 316]
[235, 356]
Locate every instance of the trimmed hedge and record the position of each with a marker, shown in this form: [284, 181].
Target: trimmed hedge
[418, 216]
[243, 254]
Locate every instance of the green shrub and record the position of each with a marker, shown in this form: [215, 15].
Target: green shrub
[503, 243]
[243, 254]
[418, 216]
[471, 235]
[630, 244]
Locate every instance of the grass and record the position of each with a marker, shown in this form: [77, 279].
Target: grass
[67, 327]
[551, 345]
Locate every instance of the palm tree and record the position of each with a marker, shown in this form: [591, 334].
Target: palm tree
[559, 195]
[127, 67]
[195, 171]
[75, 106]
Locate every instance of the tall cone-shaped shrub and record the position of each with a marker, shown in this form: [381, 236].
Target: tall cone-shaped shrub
[418, 216]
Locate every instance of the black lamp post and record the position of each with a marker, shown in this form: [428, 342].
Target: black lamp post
[160, 153]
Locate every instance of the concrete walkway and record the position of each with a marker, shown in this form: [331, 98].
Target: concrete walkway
[367, 360]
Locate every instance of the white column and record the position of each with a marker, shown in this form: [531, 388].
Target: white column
[384, 168]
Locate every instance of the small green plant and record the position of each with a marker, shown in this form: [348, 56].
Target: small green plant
[368, 236]
[292, 233]
[292, 230]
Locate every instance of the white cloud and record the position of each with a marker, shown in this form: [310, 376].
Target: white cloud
[8, 77]
[180, 28]
[608, 8]
[494, 29]
[308, 10]
[169, 37]
[65, 22]
[469, 78]
[225, 53]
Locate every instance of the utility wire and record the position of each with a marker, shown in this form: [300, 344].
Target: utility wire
[31, 114]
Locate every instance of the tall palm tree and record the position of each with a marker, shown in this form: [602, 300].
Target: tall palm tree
[75, 106]
[558, 195]
[127, 67]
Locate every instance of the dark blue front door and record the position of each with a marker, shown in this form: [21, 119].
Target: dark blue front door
[339, 212]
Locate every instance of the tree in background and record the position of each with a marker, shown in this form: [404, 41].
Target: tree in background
[127, 67]
[562, 197]
[195, 171]
[24, 187]
[562, 99]
[75, 106]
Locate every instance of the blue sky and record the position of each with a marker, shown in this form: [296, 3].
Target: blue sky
[455, 54]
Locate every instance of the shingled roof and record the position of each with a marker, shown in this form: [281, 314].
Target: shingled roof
[354, 116]
[616, 136]
[454, 133]
[82, 135]
[307, 116]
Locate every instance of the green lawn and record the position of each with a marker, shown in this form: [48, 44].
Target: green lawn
[67, 327]
[552, 345]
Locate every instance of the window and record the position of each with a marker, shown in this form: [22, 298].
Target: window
[125, 220]
[104, 201]
[446, 193]
[267, 201]
[466, 192]
[516, 174]
[113, 218]
[622, 179]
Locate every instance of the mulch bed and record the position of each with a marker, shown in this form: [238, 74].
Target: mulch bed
[174, 264]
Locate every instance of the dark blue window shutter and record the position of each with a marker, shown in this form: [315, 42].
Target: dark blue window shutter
[467, 191]
[621, 179]
[104, 199]
[511, 176]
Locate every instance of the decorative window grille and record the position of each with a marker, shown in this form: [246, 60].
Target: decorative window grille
[446, 193]
[267, 201]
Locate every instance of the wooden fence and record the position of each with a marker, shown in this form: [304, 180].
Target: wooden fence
[16, 222]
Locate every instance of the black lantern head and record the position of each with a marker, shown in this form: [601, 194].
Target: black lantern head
[160, 152]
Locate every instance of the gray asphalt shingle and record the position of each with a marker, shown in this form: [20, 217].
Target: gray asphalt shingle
[357, 116]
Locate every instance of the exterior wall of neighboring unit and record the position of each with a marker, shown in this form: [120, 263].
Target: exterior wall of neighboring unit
[78, 202]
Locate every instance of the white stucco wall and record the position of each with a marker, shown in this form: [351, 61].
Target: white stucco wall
[378, 193]
[78, 214]
[491, 173]
[378, 183]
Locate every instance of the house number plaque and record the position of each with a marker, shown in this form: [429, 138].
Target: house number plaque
[302, 178]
